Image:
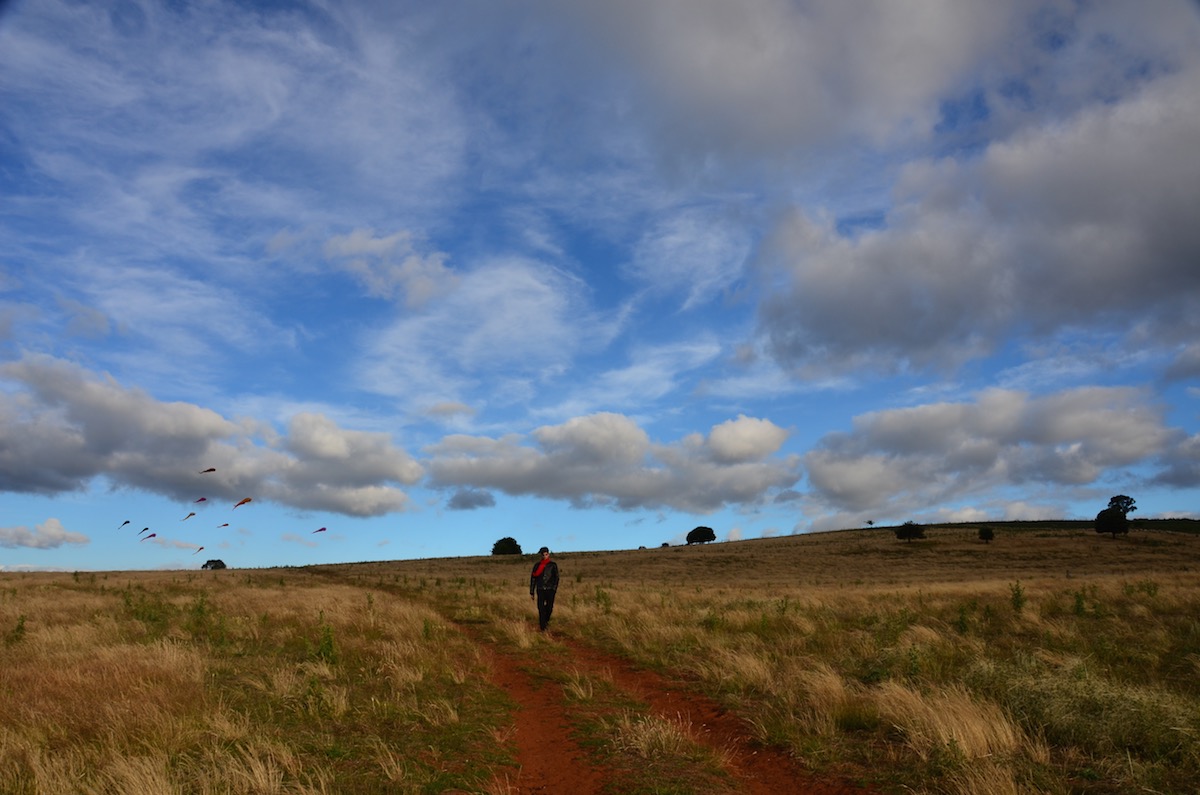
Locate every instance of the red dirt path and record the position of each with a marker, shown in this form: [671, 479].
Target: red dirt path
[551, 762]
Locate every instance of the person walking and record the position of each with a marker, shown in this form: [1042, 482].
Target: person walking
[543, 584]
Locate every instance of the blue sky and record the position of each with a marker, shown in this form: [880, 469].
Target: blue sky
[587, 274]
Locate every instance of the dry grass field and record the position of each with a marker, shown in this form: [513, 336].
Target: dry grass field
[1050, 660]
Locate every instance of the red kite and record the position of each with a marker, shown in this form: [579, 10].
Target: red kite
[243, 501]
[123, 524]
[189, 516]
[202, 499]
[152, 535]
[222, 525]
[322, 530]
[210, 469]
[197, 552]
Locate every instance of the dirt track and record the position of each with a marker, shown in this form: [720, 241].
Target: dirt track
[550, 761]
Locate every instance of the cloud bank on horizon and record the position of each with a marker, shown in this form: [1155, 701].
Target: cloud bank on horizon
[595, 271]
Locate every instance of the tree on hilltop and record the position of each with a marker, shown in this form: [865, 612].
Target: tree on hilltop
[1115, 518]
[1126, 505]
[1112, 520]
[986, 534]
[910, 530]
[506, 546]
[701, 535]
[213, 564]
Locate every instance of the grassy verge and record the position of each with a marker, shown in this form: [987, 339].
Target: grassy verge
[237, 682]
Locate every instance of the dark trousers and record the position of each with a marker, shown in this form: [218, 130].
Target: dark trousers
[545, 602]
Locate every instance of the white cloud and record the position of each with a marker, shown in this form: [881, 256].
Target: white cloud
[768, 76]
[903, 461]
[694, 251]
[1057, 228]
[653, 372]
[745, 439]
[391, 267]
[50, 534]
[64, 426]
[512, 321]
[607, 460]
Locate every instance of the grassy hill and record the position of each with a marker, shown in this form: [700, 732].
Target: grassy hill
[1051, 659]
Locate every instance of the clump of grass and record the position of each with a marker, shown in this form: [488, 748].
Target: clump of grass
[949, 718]
[17, 633]
[652, 737]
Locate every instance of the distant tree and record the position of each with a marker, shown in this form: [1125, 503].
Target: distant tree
[986, 534]
[701, 535]
[666, 544]
[213, 564]
[1112, 520]
[910, 530]
[1126, 505]
[506, 546]
[870, 523]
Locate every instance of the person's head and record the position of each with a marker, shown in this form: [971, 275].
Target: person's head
[544, 552]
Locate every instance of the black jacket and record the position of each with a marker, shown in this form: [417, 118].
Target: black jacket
[548, 581]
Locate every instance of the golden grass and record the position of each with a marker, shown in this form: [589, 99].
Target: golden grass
[233, 683]
[1051, 660]
[978, 668]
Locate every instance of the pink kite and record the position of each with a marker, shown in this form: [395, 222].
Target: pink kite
[152, 535]
[202, 499]
[243, 501]
[197, 552]
[321, 530]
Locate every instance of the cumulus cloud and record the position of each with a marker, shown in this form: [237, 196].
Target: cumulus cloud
[766, 76]
[63, 427]
[605, 459]
[1078, 225]
[1181, 465]
[50, 534]
[745, 439]
[902, 461]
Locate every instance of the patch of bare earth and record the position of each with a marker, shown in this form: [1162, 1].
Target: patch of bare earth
[762, 770]
[550, 761]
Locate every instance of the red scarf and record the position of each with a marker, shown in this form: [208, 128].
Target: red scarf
[537, 572]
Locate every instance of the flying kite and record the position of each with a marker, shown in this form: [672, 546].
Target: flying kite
[189, 516]
[197, 552]
[152, 535]
[210, 469]
[144, 529]
[123, 524]
[222, 525]
[243, 501]
[202, 499]
[321, 530]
